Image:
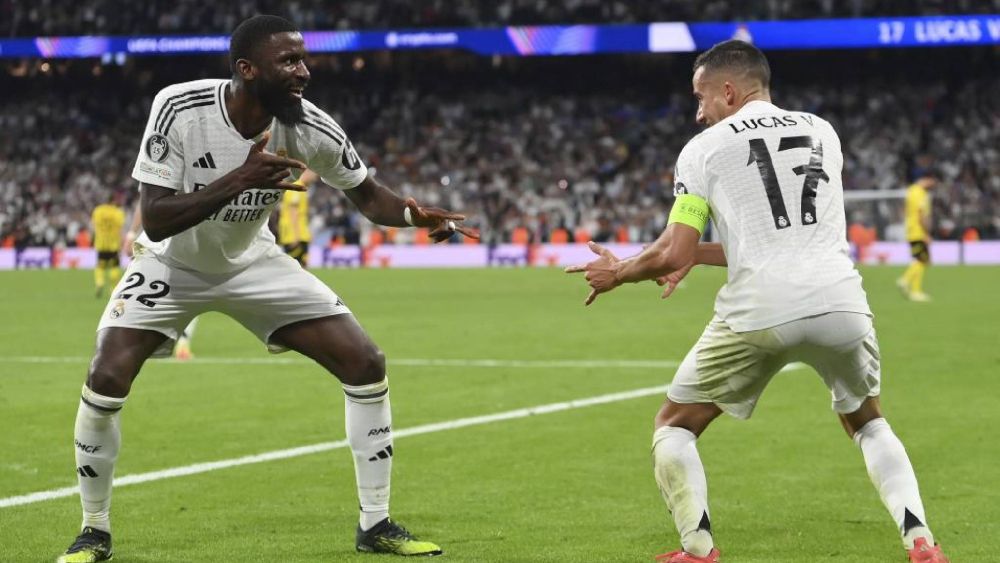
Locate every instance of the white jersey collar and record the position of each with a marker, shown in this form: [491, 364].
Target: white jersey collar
[756, 106]
[220, 94]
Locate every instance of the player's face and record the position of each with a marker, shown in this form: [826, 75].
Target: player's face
[712, 98]
[283, 77]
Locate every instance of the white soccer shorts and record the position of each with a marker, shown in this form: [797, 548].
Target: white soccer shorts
[273, 292]
[731, 369]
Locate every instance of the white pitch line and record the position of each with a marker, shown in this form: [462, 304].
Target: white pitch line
[412, 362]
[327, 446]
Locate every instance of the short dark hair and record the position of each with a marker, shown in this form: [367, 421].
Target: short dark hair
[252, 32]
[738, 56]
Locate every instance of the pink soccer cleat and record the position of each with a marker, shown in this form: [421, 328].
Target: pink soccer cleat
[923, 553]
[681, 556]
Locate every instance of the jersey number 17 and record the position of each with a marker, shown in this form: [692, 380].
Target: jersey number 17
[813, 172]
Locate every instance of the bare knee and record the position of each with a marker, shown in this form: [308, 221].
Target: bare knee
[119, 356]
[693, 417]
[374, 367]
[367, 367]
[660, 419]
[111, 376]
[869, 410]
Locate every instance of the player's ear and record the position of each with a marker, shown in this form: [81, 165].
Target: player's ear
[246, 69]
[729, 91]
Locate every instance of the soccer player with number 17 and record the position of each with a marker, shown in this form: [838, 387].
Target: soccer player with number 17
[770, 179]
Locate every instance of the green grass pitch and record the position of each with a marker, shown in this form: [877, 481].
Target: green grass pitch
[574, 485]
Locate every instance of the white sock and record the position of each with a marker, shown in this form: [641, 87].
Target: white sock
[96, 439]
[681, 478]
[369, 433]
[893, 477]
[189, 330]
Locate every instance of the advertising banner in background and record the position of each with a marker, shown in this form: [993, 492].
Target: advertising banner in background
[946, 253]
[561, 40]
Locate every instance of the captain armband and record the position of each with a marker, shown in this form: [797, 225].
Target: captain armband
[690, 210]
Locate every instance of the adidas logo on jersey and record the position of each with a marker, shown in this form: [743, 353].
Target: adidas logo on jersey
[205, 161]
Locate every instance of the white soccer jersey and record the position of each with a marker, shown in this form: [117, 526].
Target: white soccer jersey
[772, 180]
[190, 142]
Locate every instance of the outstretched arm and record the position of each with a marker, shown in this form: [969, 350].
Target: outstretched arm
[667, 260]
[380, 205]
[708, 254]
[675, 249]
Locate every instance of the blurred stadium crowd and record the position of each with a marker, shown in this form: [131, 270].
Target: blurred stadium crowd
[537, 149]
[127, 17]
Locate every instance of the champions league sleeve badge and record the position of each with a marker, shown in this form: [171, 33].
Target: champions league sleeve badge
[157, 147]
[349, 158]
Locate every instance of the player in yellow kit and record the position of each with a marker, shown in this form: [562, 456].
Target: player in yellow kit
[107, 221]
[293, 221]
[918, 228]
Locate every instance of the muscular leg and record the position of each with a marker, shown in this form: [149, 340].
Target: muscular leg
[869, 410]
[889, 468]
[119, 356]
[120, 353]
[679, 472]
[337, 343]
[693, 417]
[340, 345]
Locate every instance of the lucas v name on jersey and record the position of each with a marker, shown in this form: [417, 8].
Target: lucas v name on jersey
[768, 122]
[248, 206]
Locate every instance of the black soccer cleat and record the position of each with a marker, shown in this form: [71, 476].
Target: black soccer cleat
[91, 545]
[389, 537]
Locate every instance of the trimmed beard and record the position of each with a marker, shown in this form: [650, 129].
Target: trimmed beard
[277, 103]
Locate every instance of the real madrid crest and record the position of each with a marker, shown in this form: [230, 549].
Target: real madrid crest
[118, 309]
[157, 147]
